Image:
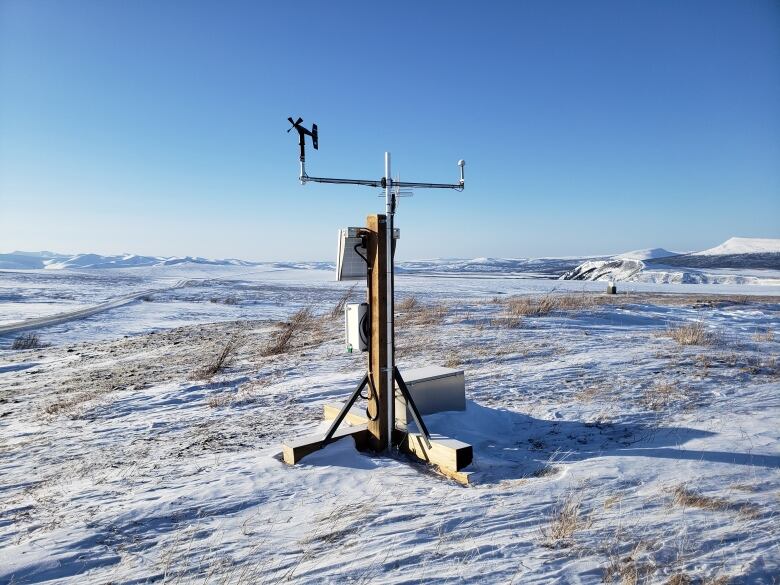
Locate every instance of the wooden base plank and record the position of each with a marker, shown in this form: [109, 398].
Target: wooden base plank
[296, 449]
[448, 456]
[355, 416]
[445, 453]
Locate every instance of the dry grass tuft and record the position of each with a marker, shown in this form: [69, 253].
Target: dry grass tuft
[222, 360]
[541, 306]
[453, 360]
[695, 333]
[338, 308]
[431, 314]
[530, 306]
[682, 496]
[221, 399]
[283, 339]
[28, 340]
[760, 336]
[564, 520]
[659, 395]
[679, 579]
[507, 322]
[590, 393]
[716, 580]
[412, 312]
[407, 304]
[628, 569]
[68, 403]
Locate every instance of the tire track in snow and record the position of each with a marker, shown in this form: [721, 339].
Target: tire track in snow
[39, 322]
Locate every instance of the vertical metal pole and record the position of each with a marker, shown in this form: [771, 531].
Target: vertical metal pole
[390, 210]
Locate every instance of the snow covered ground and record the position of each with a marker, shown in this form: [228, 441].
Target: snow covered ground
[604, 450]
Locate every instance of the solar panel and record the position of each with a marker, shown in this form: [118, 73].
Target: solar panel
[349, 264]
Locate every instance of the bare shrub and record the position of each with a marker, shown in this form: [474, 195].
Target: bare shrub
[28, 340]
[564, 520]
[338, 308]
[284, 337]
[222, 360]
[695, 333]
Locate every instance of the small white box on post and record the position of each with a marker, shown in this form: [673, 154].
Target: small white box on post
[356, 326]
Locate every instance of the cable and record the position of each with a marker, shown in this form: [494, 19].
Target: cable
[364, 329]
[359, 245]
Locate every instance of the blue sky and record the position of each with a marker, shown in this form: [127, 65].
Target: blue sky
[588, 127]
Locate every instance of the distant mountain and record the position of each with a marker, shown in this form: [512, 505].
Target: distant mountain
[743, 246]
[659, 265]
[647, 254]
[615, 269]
[548, 267]
[53, 261]
[733, 253]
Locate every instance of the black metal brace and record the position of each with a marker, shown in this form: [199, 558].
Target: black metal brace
[413, 407]
[345, 410]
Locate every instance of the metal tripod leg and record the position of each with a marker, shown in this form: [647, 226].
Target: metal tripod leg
[413, 407]
[345, 410]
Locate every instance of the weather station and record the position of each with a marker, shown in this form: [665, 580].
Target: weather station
[393, 417]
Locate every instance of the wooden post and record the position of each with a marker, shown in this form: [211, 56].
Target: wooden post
[377, 355]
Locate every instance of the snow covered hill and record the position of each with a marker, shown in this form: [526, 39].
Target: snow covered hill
[736, 261]
[54, 261]
[743, 246]
[616, 269]
[733, 253]
[723, 264]
[647, 254]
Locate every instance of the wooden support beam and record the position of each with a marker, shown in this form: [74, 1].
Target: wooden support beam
[378, 305]
[296, 449]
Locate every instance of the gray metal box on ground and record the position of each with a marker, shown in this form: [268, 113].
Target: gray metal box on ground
[433, 389]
